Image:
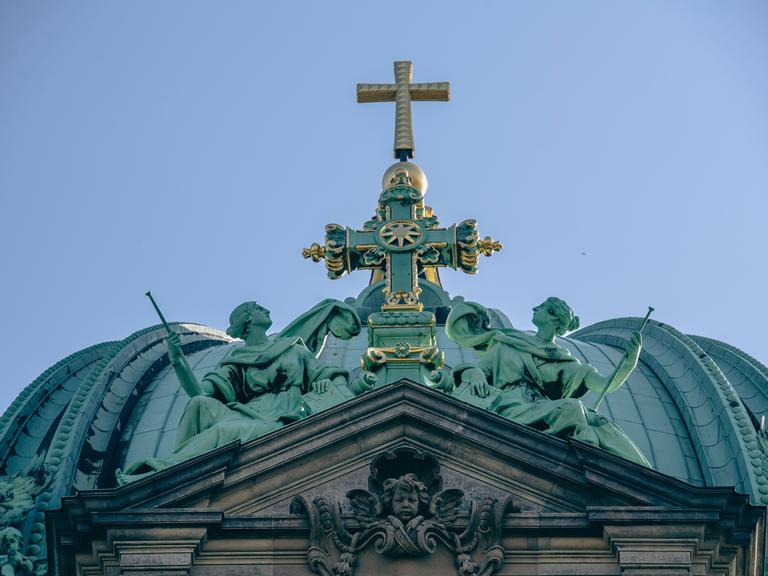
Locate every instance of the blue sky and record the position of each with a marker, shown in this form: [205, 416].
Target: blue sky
[618, 149]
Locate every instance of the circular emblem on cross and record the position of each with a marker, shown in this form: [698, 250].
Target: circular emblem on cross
[401, 235]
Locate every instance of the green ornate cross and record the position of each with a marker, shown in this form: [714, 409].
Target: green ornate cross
[402, 93]
[402, 242]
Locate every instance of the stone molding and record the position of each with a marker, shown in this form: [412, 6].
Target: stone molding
[576, 509]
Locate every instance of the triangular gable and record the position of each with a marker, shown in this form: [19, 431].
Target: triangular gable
[485, 450]
[513, 473]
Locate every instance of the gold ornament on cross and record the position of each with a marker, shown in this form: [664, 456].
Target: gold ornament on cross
[400, 233]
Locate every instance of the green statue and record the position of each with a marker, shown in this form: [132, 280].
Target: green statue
[534, 381]
[259, 387]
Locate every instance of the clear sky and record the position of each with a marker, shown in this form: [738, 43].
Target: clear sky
[618, 149]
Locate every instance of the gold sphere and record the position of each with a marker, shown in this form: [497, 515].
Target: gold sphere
[415, 173]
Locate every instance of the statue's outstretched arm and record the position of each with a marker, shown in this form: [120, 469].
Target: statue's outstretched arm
[333, 316]
[184, 373]
[178, 360]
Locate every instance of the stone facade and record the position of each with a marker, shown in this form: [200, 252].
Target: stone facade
[497, 498]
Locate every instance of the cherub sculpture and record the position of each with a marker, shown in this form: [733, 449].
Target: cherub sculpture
[12, 561]
[404, 513]
[404, 520]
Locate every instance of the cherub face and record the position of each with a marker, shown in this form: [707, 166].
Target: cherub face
[11, 543]
[405, 504]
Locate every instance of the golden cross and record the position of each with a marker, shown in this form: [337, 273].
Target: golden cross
[402, 93]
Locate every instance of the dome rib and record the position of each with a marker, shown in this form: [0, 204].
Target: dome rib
[644, 409]
[746, 374]
[140, 359]
[28, 410]
[717, 419]
[80, 421]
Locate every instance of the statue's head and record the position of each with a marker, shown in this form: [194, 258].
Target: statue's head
[10, 540]
[245, 316]
[557, 312]
[405, 496]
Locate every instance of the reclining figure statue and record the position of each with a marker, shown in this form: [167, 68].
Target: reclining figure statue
[536, 381]
[260, 386]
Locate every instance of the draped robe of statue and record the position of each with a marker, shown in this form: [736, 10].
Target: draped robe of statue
[258, 389]
[539, 385]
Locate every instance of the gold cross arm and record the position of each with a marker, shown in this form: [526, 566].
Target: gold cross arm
[402, 93]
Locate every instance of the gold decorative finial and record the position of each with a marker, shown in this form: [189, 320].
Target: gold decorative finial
[315, 252]
[487, 246]
[402, 93]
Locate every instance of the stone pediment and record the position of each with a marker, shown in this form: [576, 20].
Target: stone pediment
[500, 480]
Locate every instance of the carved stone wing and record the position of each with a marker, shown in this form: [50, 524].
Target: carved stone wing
[365, 506]
[444, 505]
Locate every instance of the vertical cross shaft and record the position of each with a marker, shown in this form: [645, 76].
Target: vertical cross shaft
[402, 93]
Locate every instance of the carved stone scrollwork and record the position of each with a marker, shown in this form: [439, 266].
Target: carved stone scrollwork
[17, 495]
[405, 513]
[401, 297]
